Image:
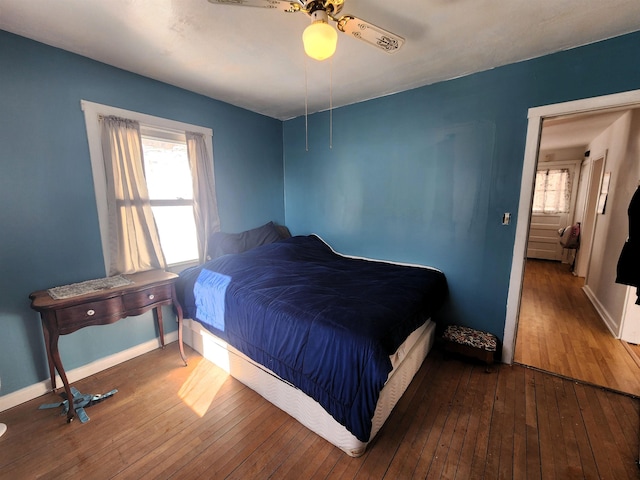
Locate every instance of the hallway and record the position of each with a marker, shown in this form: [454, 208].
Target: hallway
[560, 331]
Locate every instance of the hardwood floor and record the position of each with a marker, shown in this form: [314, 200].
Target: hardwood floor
[454, 421]
[560, 331]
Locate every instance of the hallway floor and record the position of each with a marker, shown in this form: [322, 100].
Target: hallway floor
[559, 331]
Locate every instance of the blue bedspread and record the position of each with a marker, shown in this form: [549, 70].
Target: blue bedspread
[323, 322]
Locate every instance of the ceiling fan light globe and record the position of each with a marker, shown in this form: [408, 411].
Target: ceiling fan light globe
[320, 40]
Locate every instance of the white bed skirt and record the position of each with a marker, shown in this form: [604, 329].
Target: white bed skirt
[296, 403]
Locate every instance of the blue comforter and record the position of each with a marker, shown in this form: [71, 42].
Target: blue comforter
[323, 322]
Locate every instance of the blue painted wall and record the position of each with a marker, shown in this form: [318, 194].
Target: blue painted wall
[424, 176]
[48, 218]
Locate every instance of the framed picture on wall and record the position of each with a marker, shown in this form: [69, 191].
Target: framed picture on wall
[606, 179]
[604, 192]
[602, 203]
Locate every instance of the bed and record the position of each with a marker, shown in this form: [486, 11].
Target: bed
[332, 340]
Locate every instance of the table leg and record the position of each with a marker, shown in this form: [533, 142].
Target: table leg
[160, 324]
[178, 309]
[52, 369]
[55, 355]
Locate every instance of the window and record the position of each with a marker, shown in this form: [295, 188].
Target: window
[552, 193]
[170, 185]
[168, 176]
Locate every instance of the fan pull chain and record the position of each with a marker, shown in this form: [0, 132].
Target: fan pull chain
[331, 103]
[306, 107]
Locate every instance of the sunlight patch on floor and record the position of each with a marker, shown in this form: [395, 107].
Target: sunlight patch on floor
[200, 389]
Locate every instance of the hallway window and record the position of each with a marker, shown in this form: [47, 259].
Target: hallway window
[552, 191]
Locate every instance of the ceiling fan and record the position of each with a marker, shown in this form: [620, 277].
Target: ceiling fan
[320, 38]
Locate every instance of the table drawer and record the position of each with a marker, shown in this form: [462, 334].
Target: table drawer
[99, 312]
[145, 298]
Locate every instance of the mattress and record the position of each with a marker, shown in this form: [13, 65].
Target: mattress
[406, 361]
[326, 323]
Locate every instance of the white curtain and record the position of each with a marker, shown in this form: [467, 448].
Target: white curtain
[205, 206]
[134, 243]
[552, 191]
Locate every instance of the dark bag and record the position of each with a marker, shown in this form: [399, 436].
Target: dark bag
[628, 269]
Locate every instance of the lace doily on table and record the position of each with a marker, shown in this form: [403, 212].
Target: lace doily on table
[82, 288]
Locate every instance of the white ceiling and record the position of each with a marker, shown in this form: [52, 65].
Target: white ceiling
[572, 131]
[253, 58]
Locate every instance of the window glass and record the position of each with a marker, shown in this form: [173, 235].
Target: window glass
[166, 167]
[552, 191]
[177, 231]
[170, 186]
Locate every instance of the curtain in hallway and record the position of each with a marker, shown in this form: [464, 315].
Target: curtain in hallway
[552, 191]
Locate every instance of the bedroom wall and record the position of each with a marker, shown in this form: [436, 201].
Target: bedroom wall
[48, 216]
[425, 175]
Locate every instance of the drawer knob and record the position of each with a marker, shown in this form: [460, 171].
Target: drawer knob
[91, 312]
[151, 296]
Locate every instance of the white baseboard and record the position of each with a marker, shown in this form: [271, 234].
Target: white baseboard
[606, 318]
[36, 390]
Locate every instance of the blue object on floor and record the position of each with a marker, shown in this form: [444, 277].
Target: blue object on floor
[80, 402]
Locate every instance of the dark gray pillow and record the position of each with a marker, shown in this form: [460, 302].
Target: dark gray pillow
[221, 243]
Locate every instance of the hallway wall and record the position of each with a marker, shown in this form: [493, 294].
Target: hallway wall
[611, 227]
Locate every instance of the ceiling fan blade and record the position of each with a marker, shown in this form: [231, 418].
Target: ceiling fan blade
[281, 5]
[372, 34]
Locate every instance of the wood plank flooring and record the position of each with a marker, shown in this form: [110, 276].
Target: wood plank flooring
[454, 421]
[560, 331]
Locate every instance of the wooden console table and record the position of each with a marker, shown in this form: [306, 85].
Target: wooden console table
[150, 289]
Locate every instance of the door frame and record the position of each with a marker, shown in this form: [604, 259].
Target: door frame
[591, 205]
[536, 115]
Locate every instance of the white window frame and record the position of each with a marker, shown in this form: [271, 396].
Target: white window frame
[92, 113]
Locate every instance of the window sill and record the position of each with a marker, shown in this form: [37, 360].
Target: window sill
[179, 267]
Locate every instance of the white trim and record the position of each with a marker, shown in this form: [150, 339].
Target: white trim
[92, 112]
[630, 327]
[608, 321]
[41, 388]
[534, 130]
[522, 231]
[144, 119]
[558, 164]
[596, 215]
[617, 100]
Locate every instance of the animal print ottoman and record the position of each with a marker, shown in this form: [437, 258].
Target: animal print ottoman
[471, 343]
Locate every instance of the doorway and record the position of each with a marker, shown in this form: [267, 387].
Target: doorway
[536, 117]
[559, 330]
